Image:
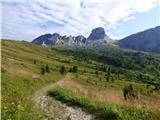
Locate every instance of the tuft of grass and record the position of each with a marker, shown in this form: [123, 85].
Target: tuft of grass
[102, 110]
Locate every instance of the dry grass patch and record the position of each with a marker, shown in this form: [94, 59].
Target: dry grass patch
[111, 96]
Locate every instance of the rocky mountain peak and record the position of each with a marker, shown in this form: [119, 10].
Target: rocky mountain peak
[97, 33]
[97, 36]
[147, 40]
[55, 34]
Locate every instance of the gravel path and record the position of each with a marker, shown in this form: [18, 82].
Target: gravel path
[57, 110]
[75, 113]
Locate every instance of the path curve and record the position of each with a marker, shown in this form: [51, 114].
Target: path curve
[46, 103]
[43, 91]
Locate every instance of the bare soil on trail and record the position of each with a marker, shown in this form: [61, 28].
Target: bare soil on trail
[66, 112]
[55, 110]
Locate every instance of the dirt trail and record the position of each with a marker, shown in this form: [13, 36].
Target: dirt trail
[43, 91]
[63, 111]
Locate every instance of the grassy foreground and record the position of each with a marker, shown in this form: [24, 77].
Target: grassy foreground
[103, 110]
[21, 78]
[21, 68]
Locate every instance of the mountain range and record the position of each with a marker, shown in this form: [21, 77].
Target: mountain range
[97, 36]
[148, 40]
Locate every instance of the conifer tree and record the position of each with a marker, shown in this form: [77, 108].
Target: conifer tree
[63, 70]
[47, 69]
[42, 70]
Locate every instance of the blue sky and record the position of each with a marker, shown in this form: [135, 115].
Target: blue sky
[28, 19]
[142, 21]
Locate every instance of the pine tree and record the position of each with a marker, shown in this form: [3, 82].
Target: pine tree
[42, 70]
[75, 69]
[34, 61]
[63, 70]
[70, 70]
[107, 78]
[108, 71]
[108, 74]
[127, 91]
[104, 69]
[47, 69]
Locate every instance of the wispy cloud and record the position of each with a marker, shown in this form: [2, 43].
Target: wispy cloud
[26, 19]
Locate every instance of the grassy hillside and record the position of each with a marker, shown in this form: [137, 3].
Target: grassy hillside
[102, 75]
[103, 110]
[21, 77]
[122, 63]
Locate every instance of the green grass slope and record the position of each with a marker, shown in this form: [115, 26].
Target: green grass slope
[108, 68]
[123, 63]
[21, 77]
[103, 110]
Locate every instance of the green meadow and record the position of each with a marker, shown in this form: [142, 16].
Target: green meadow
[97, 80]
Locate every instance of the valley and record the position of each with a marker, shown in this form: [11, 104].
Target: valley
[80, 60]
[108, 82]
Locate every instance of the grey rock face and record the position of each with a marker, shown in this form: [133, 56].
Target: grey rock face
[97, 36]
[148, 40]
[56, 39]
[43, 38]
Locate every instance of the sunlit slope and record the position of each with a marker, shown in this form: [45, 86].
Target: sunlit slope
[21, 77]
[100, 70]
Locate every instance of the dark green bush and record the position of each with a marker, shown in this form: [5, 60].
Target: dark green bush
[63, 70]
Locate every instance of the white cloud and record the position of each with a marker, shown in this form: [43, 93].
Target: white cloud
[26, 19]
[129, 18]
